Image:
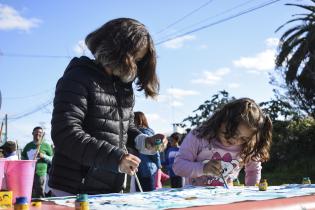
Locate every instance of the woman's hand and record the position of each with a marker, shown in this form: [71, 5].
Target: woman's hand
[158, 143]
[129, 164]
[212, 167]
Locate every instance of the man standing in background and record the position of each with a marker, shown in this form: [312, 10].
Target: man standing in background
[37, 149]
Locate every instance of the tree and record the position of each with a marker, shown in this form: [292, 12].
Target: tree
[277, 108]
[206, 109]
[295, 60]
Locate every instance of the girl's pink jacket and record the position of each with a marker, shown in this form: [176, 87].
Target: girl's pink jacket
[194, 151]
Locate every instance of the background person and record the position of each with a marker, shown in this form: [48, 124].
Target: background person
[40, 150]
[149, 163]
[9, 149]
[171, 152]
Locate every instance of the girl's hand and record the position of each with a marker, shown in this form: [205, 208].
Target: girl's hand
[158, 142]
[129, 164]
[212, 167]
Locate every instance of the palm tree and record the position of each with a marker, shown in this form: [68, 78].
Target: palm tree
[296, 59]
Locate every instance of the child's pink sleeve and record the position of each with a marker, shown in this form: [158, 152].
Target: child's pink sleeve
[185, 164]
[158, 183]
[252, 173]
[164, 176]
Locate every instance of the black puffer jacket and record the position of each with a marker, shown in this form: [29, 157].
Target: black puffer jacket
[91, 122]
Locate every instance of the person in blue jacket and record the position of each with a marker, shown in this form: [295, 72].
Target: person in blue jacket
[149, 164]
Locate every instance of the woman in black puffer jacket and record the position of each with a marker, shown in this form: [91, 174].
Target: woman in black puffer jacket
[92, 120]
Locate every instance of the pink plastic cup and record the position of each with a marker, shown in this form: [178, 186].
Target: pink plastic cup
[2, 162]
[19, 177]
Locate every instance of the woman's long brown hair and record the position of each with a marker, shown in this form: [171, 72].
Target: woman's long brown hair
[115, 44]
[140, 120]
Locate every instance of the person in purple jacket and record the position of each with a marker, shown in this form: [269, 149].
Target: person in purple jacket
[237, 135]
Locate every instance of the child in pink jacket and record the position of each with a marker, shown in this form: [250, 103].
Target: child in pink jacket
[160, 178]
[238, 135]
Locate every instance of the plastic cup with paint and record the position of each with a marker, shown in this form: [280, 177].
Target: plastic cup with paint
[19, 177]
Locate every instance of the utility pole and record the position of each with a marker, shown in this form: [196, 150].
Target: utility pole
[6, 128]
[1, 131]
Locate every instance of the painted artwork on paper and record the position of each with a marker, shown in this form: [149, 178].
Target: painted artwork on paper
[188, 197]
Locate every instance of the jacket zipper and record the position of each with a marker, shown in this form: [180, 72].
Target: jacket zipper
[120, 115]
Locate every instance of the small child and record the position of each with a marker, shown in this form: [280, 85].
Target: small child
[171, 152]
[10, 150]
[160, 179]
[236, 136]
[149, 165]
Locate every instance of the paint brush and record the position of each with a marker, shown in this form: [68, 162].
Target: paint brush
[136, 177]
[38, 146]
[225, 184]
[138, 182]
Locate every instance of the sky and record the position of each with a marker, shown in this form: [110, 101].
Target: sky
[203, 47]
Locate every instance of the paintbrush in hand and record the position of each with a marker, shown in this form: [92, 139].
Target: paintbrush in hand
[136, 177]
[225, 184]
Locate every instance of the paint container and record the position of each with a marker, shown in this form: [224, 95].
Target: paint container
[158, 144]
[36, 204]
[81, 202]
[263, 185]
[21, 203]
[19, 176]
[236, 182]
[306, 180]
[2, 163]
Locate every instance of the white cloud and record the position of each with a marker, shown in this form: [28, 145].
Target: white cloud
[272, 42]
[178, 42]
[175, 96]
[11, 19]
[222, 71]
[211, 78]
[180, 93]
[176, 103]
[261, 62]
[203, 46]
[254, 72]
[233, 85]
[81, 49]
[153, 117]
[162, 98]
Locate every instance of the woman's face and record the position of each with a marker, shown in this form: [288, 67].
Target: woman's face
[129, 76]
[139, 55]
[242, 135]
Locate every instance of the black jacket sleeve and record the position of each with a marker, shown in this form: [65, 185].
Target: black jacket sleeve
[133, 132]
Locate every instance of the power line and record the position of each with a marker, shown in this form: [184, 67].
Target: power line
[218, 22]
[32, 55]
[166, 39]
[184, 17]
[206, 19]
[29, 96]
[38, 108]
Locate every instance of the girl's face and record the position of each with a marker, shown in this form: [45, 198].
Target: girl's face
[242, 135]
[139, 55]
[129, 76]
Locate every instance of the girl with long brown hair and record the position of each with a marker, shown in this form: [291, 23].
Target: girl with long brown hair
[236, 136]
